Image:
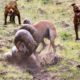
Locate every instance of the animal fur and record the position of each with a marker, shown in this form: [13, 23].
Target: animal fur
[76, 20]
[25, 42]
[43, 29]
[11, 10]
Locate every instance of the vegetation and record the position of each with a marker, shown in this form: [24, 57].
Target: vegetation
[61, 14]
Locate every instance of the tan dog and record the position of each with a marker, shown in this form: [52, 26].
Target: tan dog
[42, 29]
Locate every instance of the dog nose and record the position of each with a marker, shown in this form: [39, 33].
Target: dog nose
[11, 11]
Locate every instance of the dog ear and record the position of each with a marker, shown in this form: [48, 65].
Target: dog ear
[27, 21]
[22, 48]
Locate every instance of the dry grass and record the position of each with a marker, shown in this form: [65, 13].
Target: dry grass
[62, 16]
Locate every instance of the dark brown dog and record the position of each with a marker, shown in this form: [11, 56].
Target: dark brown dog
[25, 42]
[12, 11]
[76, 20]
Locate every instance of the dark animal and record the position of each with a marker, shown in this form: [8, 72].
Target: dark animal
[76, 20]
[11, 10]
[26, 21]
[25, 42]
[40, 30]
[31, 29]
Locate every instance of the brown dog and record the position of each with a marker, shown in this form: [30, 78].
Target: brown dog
[12, 11]
[76, 20]
[25, 42]
[40, 30]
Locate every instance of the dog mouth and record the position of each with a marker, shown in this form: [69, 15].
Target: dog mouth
[11, 11]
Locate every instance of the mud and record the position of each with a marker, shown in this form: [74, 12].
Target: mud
[35, 64]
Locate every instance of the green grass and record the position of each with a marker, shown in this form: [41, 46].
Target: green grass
[60, 15]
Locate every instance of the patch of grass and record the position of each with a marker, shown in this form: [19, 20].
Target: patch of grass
[57, 13]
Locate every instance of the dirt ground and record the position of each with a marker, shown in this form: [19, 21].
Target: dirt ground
[35, 64]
